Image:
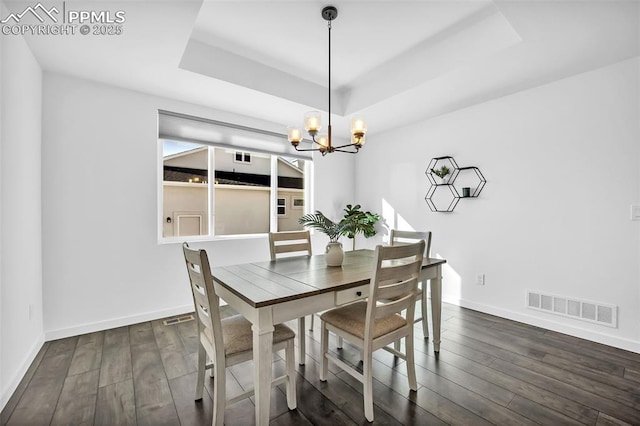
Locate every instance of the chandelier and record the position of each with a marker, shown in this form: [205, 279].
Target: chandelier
[312, 118]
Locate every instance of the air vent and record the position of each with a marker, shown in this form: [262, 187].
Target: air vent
[178, 320]
[599, 313]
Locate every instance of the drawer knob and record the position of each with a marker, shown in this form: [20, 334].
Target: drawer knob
[358, 293]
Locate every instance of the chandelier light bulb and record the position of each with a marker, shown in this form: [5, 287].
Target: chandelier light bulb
[358, 125]
[323, 141]
[312, 122]
[358, 130]
[294, 135]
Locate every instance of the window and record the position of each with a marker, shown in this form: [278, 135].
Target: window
[297, 203]
[242, 157]
[282, 207]
[224, 179]
[206, 193]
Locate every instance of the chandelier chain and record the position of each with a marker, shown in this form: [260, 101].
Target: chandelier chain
[329, 25]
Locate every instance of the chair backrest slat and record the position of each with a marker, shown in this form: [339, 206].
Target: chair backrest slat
[394, 283]
[395, 289]
[397, 237]
[394, 306]
[393, 271]
[289, 242]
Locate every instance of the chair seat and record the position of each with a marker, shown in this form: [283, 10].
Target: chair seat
[351, 318]
[238, 336]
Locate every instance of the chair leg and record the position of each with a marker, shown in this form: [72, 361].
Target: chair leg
[311, 323]
[202, 363]
[290, 360]
[367, 377]
[324, 348]
[302, 340]
[340, 342]
[425, 316]
[219, 393]
[411, 362]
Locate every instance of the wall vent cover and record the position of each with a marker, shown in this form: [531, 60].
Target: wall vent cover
[596, 312]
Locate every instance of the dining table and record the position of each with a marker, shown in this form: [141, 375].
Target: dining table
[272, 292]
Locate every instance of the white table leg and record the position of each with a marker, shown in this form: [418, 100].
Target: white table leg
[436, 307]
[262, 360]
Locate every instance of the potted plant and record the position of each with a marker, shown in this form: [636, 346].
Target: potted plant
[334, 230]
[359, 222]
[442, 173]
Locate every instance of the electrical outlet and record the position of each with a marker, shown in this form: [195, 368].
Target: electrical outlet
[480, 279]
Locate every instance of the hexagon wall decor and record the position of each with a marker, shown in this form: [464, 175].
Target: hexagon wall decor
[440, 200]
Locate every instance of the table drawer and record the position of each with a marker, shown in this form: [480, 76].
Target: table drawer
[351, 295]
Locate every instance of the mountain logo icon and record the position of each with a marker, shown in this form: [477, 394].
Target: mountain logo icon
[38, 11]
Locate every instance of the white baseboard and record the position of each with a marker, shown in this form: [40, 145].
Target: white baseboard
[594, 336]
[14, 381]
[116, 322]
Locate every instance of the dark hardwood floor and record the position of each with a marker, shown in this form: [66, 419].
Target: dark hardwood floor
[490, 371]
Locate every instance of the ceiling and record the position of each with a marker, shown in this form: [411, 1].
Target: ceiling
[395, 62]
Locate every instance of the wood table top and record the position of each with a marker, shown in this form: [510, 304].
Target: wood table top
[267, 283]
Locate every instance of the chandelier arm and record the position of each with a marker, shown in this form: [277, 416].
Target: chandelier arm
[347, 145]
[306, 149]
[323, 149]
[340, 149]
[313, 138]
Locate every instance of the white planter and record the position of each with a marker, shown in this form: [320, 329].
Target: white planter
[334, 254]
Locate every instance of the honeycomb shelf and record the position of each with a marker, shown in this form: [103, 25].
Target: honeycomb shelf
[440, 200]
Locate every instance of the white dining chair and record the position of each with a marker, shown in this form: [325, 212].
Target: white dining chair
[378, 322]
[397, 237]
[228, 341]
[293, 243]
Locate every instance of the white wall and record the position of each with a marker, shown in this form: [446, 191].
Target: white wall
[3, 384]
[562, 166]
[21, 329]
[101, 268]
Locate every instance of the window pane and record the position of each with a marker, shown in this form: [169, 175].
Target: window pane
[291, 192]
[242, 193]
[185, 192]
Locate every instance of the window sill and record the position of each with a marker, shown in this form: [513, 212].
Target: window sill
[207, 238]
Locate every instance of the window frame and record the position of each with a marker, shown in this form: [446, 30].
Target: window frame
[210, 219]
